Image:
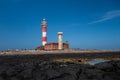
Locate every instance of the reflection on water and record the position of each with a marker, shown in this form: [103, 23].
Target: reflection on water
[93, 62]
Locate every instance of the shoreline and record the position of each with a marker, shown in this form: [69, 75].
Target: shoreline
[24, 52]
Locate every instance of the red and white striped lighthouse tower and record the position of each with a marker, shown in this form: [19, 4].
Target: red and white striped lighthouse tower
[44, 32]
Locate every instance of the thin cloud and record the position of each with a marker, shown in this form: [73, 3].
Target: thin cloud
[108, 16]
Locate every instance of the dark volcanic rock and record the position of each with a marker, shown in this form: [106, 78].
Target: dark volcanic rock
[105, 66]
[60, 71]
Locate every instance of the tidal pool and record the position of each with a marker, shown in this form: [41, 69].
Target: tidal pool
[93, 62]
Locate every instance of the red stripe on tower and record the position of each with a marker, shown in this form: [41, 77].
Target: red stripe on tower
[44, 29]
[44, 32]
[44, 39]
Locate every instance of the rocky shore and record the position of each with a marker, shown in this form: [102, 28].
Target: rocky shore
[44, 70]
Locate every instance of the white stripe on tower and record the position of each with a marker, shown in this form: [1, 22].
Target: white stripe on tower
[43, 43]
[44, 32]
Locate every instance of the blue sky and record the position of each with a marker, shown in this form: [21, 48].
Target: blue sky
[86, 24]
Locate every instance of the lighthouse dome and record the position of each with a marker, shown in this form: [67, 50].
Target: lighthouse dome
[44, 23]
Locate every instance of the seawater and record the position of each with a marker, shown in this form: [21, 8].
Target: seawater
[93, 62]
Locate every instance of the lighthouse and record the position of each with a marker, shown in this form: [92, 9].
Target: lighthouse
[44, 32]
[60, 43]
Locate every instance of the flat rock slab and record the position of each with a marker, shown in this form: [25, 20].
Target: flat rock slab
[21, 57]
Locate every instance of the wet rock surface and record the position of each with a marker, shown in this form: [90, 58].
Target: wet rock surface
[45, 70]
